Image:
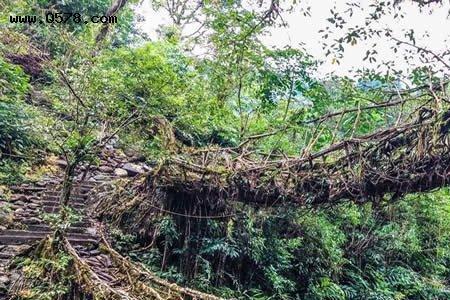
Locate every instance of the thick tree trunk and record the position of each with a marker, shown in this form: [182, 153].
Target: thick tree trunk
[112, 10]
[67, 184]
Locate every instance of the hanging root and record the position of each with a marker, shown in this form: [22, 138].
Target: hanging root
[125, 203]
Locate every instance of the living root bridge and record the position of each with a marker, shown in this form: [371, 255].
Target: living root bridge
[413, 157]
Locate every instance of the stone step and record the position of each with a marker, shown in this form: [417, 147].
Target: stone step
[56, 203]
[17, 237]
[46, 228]
[41, 233]
[5, 255]
[86, 188]
[22, 198]
[56, 195]
[28, 189]
[71, 199]
[55, 209]
[36, 208]
[103, 178]
[103, 182]
[86, 185]
[78, 186]
[29, 204]
[85, 222]
[4, 261]
[35, 212]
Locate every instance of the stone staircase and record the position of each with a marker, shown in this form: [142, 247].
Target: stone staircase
[25, 212]
[31, 205]
[23, 224]
[22, 214]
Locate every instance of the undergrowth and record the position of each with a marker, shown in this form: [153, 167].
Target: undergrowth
[46, 274]
[394, 251]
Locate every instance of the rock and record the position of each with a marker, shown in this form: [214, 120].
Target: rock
[4, 282]
[91, 230]
[19, 197]
[120, 172]
[79, 177]
[120, 154]
[130, 153]
[112, 162]
[20, 248]
[15, 277]
[61, 162]
[34, 220]
[138, 158]
[94, 252]
[118, 161]
[133, 169]
[106, 169]
[146, 168]
[100, 177]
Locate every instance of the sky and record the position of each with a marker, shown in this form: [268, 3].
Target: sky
[303, 30]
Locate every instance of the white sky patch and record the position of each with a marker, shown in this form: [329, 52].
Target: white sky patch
[303, 32]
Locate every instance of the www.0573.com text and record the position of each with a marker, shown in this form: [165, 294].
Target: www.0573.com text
[61, 18]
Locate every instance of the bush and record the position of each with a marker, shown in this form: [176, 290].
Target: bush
[18, 141]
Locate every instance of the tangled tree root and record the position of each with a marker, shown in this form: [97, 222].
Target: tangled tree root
[47, 272]
[82, 282]
[136, 282]
[89, 281]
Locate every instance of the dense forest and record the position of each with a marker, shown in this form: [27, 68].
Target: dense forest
[206, 164]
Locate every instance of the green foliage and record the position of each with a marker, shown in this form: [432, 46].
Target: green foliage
[13, 82]
[158, 80]
[122, 240]
[55, 221]
[15, 134]
[47, 277]
[12, 170]
[395, 251]
[18, 139]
